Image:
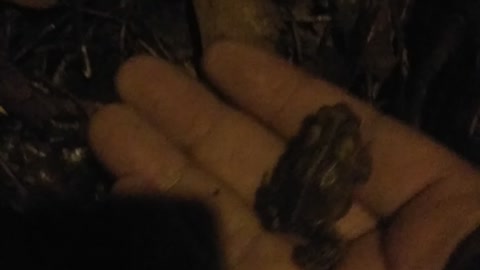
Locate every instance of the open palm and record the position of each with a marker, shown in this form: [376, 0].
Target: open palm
[172, 135]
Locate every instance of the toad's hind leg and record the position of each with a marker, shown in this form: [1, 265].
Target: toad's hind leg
[323, 252]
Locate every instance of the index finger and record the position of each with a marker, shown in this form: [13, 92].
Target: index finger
[280, 95]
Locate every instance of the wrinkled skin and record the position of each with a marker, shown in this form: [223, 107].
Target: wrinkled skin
[312, 184]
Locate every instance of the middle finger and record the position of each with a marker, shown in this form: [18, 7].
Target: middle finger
[227, 143]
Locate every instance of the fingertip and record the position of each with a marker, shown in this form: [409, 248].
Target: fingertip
[218, 50]
[103, 122]
[134, 72]
[226, 57]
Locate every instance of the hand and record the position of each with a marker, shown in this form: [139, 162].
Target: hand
[171, 135]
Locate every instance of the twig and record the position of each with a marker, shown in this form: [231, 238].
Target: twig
[87, 69]
[47, 30]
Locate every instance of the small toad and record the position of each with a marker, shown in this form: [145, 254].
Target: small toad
[312, 184]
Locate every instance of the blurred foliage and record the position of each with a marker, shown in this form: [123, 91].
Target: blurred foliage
[56, 68]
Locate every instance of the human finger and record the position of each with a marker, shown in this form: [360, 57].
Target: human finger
[147, 163]
[404, 162]
[224, 141]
